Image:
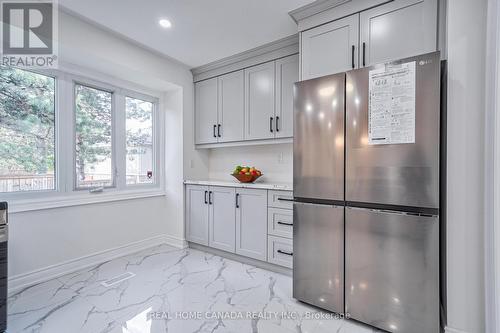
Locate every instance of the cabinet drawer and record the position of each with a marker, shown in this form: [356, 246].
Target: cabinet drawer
[273, 199]
[280, 251]
[280, 222]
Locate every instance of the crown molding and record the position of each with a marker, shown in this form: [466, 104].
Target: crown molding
[314, 8]
[271, 51]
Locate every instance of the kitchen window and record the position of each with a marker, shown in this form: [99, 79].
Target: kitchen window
[27, 131]
[140, 141]
[93, 137]
[66, 138]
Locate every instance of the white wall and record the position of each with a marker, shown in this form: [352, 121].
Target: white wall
[40, 239]
[466, 35]
[275, 161]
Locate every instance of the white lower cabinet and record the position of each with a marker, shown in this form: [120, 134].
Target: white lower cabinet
[222, 218]
[251, 223]
[280, 251]
[197, 214]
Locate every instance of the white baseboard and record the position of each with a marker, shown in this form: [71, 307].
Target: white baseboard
[453, 330]
[25, 280]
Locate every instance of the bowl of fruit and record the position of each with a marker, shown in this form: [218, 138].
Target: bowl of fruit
[246, 174]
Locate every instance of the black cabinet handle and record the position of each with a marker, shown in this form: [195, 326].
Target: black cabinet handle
[215, 128]
[277, 124]
[218, 131]
[285, 199]
[206, 201]
[271, 124]
[364, 54]
[284, 252]
[284, 223]
[237, 200]
[353, 64]
[210, 198]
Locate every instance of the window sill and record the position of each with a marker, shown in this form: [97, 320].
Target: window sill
[26, 205]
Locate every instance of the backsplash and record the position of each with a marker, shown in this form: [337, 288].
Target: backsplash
[275, 161]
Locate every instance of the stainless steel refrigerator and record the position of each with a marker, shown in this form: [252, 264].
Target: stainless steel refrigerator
[367, 194]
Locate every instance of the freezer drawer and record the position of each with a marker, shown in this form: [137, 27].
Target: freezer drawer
[318, 146]
[318, 258]
[392, 270]
[403, 174]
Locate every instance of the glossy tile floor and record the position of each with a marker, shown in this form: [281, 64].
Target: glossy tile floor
[172, 291]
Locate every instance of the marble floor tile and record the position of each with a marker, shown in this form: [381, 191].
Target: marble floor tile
[171, 290]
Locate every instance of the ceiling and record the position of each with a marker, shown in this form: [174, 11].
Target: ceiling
[202, 30]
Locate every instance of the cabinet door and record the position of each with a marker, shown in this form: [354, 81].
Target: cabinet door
[197, 214]
[259, 102]
[287, 73]
[231, 106]
[399, 29]
[206, 111]
[251, 223]
[330, 48]
[222, 218]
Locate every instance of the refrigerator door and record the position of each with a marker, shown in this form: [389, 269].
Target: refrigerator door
[318, 146]
[392, 270]
[399, 169]
[318, 259]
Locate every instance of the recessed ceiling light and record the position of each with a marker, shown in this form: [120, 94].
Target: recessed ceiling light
[165, 23]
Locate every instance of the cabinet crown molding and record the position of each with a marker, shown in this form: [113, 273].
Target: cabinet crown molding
[314, 8]
[268, 52]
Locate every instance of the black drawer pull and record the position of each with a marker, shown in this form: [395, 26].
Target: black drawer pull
[285, 223]
[353, 49]
[284, 252]
[285, 199]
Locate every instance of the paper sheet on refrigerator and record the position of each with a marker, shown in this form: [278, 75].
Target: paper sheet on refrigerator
[391, 107]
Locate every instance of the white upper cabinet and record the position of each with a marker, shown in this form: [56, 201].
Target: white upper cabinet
[287, 73]
[259, 101]
[330, 48]
[398, 29]
[231, 107]
[206, 108]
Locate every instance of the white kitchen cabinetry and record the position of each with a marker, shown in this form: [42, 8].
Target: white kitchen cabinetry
[395, 30]
[287, 73]
[398, 29]
[251, 223]
[206, 109]
[222, 218]
[231, 107]
[330, 48]
[197, 209]
[259, 101]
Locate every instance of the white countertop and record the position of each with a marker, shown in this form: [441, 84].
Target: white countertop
[235, 183]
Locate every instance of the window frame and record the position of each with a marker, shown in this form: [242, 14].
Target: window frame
[57, 167]
[155, 125]
[65, 192]
[102, 87]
